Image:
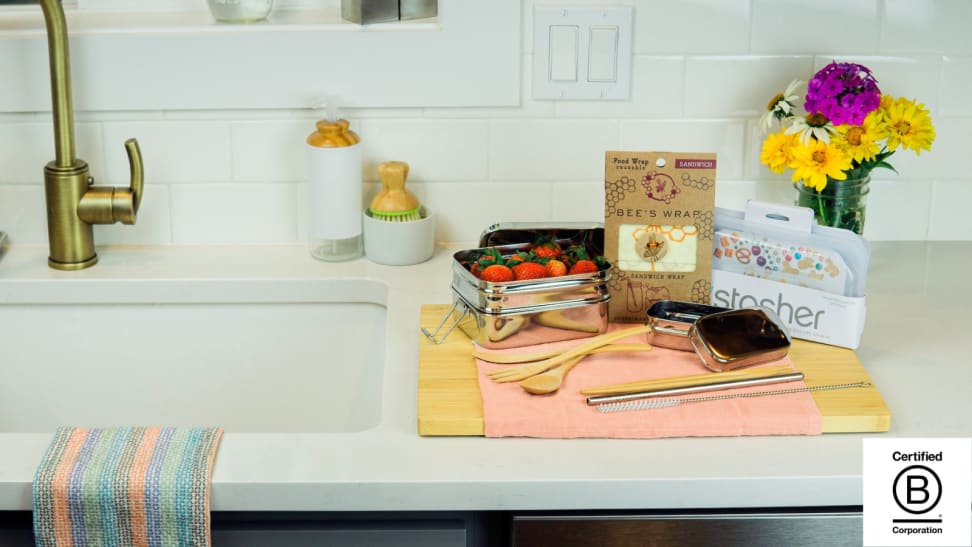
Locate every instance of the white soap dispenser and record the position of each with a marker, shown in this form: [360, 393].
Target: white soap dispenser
[335, 192]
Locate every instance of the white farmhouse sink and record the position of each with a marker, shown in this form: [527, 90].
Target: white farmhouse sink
[249, 356]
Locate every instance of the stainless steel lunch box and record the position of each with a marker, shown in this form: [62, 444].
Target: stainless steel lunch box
[521, 313]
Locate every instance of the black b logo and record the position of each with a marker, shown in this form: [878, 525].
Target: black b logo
[917, 489]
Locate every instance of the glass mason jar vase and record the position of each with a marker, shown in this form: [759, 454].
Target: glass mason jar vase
[841, 204]
[240, 11]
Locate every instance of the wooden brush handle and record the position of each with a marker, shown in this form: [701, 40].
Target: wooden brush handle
[393, 197]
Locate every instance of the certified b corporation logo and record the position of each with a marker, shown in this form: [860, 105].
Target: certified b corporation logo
[917, 491]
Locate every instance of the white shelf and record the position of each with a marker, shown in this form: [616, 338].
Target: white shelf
[183, 60]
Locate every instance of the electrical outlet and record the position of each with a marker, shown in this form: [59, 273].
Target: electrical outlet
[582, 53]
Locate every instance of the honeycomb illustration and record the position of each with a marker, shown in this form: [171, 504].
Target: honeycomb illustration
[616, 192]
[700, 291]
[704, 226]
[619, 278]
[702, 183]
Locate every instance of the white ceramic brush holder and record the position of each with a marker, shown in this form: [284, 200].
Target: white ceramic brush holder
[399, 243]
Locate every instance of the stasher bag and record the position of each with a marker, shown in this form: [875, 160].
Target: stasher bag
[775, 256]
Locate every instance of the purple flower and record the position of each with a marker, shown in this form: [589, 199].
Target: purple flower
[843, 92]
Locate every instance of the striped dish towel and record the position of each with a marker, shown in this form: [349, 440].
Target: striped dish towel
[125, 486]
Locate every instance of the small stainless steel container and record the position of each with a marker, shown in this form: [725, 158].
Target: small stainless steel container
[417, 9]
[365, 12]
[671, 320]
[739, 338]
[521, 313]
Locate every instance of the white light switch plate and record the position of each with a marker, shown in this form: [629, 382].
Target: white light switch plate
[603, 72]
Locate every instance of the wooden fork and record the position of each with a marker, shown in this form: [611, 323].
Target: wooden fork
[522, 372]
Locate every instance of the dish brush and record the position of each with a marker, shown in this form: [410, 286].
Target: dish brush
[394, 203]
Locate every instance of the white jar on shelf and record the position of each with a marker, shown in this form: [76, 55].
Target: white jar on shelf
[240, 11]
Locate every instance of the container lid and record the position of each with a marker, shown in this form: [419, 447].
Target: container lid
[589, 234]
[333, 135]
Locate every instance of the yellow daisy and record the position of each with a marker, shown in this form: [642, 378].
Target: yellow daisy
[776, 151]
[908, 124]
[860, 141]
[816, 160]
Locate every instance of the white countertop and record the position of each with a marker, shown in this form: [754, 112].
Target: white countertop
[914, 347]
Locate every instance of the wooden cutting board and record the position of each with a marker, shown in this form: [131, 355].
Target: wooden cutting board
[449, 402]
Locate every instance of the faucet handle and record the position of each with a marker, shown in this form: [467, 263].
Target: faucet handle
[137, 173]
[111, 204]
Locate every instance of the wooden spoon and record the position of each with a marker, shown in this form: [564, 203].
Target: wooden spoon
[550, 381]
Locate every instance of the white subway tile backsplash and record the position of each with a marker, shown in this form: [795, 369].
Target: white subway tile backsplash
[577, 201]
[926, 26]
[205, 213]
[100, 116]
[26, 147]
[550, 150]
[898, 209]
[656, 91]
[801, 26]
[436, 150]
[956, 83]
[726, 139]
[362, 113]
[465, 209]
[692, 27]
[23, 215]
[950, 211]
[739, 86]
[173, 152]
[529, 107]
[733, 194]
[271, 150]
[703, 71]
[775, 191]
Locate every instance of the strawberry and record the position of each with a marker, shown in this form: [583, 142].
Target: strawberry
[529, 270]
[582, 262]
[583, 266]
[488, 258]
[546, 246]
[556, 267]
[496, 273]
[520, 257]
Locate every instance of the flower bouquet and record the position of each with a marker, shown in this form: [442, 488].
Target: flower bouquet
[848, 129]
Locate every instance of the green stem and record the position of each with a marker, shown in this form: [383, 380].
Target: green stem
[822, 209]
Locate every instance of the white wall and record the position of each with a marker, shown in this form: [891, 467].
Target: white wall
[703, 69]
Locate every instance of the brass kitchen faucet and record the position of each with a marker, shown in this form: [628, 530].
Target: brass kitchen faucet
[74, 204]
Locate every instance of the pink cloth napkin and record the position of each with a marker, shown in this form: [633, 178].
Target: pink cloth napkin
[509, 411]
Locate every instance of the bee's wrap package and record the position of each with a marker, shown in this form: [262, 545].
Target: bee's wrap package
[658, 224]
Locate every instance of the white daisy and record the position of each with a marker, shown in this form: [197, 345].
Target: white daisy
[814, 125]
[781, 106]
